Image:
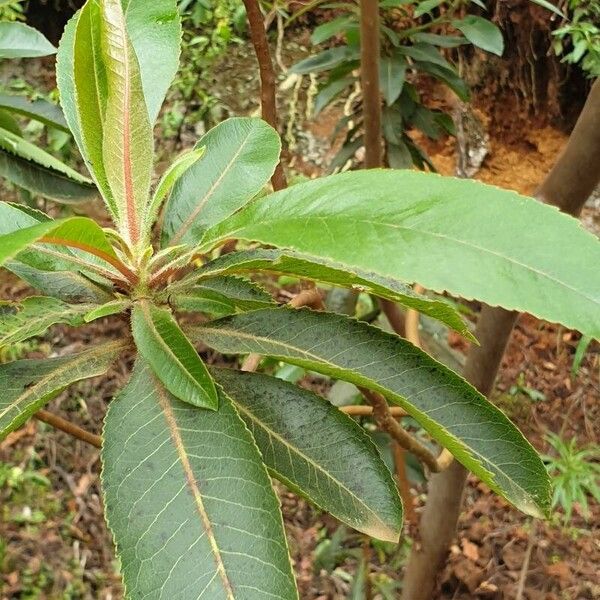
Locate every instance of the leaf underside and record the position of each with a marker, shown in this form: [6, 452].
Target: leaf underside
[188, 500]
[286, 262]
[461, 236]
[29, 384]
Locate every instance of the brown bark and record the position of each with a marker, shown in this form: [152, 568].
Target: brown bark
[268, 100]
[369, 77]
[568, 185]
[68, 427]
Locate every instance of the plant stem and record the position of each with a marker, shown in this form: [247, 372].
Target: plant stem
[362, 410]
[386, 422]
[68, 427]
[369, 76]
[268, 100]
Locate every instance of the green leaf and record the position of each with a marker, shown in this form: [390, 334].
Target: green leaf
[79, 232]
[127, 144]
[40, 110]
[425, 53]
[172, 357]
[33, 169]
[317, 451]
[34, 315]
[222, 296]
[425, 7]
[178, 167]
[481, 33]
[550, 7]
[18, 40]
[443, 41]
[323, 61]
[330, 91]
[47, 268]
[392, 74]
[241, 155]
[81, 80]
[449, 76]
[114, 307]
[455, 235]
[327, 30]
[8, 122]
[155, 32]
[285, 262]
[446, 406]
[188, 500]
[29, 384]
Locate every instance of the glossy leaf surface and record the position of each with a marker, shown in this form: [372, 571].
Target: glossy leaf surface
[455, 235]
[18, 40]
[172, 357]
[317, 451]
[40, 110]
[446, 406]
[33, 169]
[241, 155]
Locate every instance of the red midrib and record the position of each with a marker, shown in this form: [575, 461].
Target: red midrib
[132, 225]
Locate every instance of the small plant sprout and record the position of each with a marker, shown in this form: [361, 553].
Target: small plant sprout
[188, 447]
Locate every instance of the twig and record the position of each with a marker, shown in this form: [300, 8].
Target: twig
[268, 101]
[362, 410]
[386, 422]
[309, 297]
[399, 454]
[412, 322]
[526, 560]
[394, 316]
[68, 427]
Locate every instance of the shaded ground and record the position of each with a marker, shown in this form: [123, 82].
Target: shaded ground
[53, 541]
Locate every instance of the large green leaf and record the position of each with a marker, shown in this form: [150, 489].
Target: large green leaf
[177, 168]
[241, 155]
[79, 232]
[188, 500]
[481, 33]
[32, 316]
[392, 74]
[325, 60]
[445, 405]
[40, 110]
[172, 357]
[127, 144]
[222, 296]
[286, 262]
[29, 384]
[81, 79]
[18, 40]
[155, 32]
[462, 236]
[318, 451]
[33, 169]
[48, 268]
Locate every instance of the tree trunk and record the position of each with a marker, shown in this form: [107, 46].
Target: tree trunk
[568, 185]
